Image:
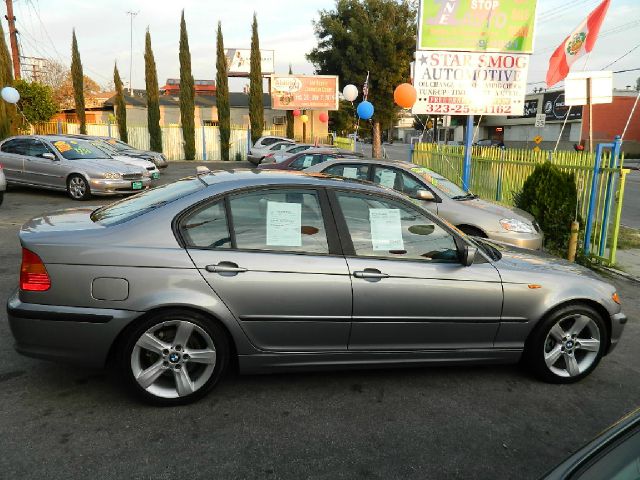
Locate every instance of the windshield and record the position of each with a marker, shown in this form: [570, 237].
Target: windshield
[444, 185]
[105, 147]
[132, 207]
[117, 145]
[79, 150]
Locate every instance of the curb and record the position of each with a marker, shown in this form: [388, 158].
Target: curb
[618, 273]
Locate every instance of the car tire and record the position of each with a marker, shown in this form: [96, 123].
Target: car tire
[567, 345]
[1, 197]
[472, 231]
[151, 349]
[78, 187]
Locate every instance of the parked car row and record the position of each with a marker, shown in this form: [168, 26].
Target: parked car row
[275, 150]
[81, 165]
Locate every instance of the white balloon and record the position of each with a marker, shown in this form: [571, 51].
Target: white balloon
[350, 93]
[10, 94]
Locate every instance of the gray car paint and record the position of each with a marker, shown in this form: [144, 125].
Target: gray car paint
[479, 214]
[53, 174]
[278, 314]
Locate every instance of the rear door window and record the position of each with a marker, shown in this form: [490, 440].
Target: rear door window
[349, 170]
[18, 146]
[207, 227]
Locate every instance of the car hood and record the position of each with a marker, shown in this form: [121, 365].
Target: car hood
[109, 165]
[498, 210]
[521, 259]
[138, 162]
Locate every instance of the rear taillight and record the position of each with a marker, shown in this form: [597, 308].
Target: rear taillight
[33, 274]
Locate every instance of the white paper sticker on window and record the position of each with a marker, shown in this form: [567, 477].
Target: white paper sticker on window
[308, 160]
[284, 221]
[386, 229]
[350, 172]
[387, 178]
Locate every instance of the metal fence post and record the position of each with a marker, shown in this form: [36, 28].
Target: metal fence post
[613, 163]
[204, 143]
[466, 172]
[617, 218]
[248, 140]
[109, 128]
[592, 200]
[59, 127]
[411, 153]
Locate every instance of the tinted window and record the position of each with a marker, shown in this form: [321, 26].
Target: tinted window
[621, 462]
[207, 227]
[385, 228]
[285, 220]
[306, 161]
[299, 149]
[396, 179]
[18, 146]
[270, 141]
[280, 146]
[144, 202]
[360, 172]
[36, 148]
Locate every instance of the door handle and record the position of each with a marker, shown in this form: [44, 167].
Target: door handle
[225, 267]
[370, 273]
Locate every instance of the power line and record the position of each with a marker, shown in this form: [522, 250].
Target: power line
[620, 58]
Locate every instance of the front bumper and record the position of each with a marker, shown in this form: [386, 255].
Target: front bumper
[82, 336]
[618, 321]
[531, 241]
[101, 187]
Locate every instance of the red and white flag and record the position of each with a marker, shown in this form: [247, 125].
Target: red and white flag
[581, 41]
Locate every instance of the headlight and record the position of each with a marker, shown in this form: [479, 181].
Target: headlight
[516, 226]
[112, 176]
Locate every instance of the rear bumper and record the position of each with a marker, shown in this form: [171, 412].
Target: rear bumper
[82, 336]
[618, 321]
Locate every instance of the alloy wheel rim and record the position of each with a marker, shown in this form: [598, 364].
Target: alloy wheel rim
[77, 187]
[173, 359]
[572, 345]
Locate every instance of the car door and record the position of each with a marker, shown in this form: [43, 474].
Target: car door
[410, 291]
[273, 257]
[43, 171]
[403, 182]
[12, 156]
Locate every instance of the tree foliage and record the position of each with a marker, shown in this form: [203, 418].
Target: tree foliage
[256, 105]
[153, 96]
[360, 36]
[187, 94]
[121, 106]
[222, 96]
[550, 195]
[77, 79]
[36, 101]
[63, 92]
[8, 114]
[291, 120]
[343, 120]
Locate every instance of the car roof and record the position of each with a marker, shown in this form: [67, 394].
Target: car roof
[375, 161]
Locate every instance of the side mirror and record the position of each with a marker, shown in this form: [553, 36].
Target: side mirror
[49, 156]
[468, 255]
[425, 195]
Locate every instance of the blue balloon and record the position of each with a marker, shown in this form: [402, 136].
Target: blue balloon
[365, 110]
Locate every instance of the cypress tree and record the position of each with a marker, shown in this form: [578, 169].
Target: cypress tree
[222, 96]
[290, 118]
[187, 94]
[77, 78]
[256, 107]
[121, 107]
[153, 96]
[8, 119]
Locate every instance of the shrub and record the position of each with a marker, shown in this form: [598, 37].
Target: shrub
[550, 195]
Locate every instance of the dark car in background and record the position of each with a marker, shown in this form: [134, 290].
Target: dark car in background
[158, 159]
[305, 159]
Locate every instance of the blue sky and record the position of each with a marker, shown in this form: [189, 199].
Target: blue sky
[285, 26]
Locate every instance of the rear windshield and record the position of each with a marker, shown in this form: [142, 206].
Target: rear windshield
[142, 203]
[79, 150]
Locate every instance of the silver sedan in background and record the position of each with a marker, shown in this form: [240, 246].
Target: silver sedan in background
[3, 184]
[441, 196]
[72, 165]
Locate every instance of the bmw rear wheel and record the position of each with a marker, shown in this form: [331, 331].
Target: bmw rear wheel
[78, 187]
[568, 345]
[174, 358]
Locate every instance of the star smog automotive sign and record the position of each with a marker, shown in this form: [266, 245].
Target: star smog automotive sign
[477, 25]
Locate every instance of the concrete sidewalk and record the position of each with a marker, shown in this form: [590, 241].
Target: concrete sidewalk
[629, 262]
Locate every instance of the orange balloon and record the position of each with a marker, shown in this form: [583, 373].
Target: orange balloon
[405, 95]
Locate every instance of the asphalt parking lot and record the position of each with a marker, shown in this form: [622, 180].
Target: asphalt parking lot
[59, 421]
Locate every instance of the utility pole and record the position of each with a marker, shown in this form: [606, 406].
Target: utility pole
[13, 38]
[131, 14]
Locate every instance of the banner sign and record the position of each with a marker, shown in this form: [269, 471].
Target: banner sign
[304, 92]
[555, 109]
[456, 83]
[477, 25]
[239, 61]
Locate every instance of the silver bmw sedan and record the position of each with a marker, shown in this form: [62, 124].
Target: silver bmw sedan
[279, 271]
[72, 165]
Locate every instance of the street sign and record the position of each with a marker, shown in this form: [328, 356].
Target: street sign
[477, 25]
[537, 149]
[537, 139]
[576, 88]
[541, 120]
[467, 83]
